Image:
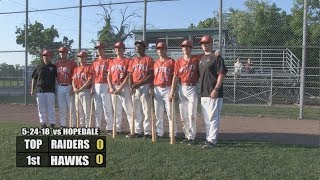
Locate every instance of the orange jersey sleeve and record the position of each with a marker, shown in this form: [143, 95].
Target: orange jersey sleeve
[163, 72]
[140, 68]
[100, 70]
[81, 75]
[65, 70]
[118, 68]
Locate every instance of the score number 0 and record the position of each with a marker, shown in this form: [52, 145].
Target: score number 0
[100, 146]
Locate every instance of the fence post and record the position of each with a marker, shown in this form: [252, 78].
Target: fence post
[234, 88]
[303, 65]
[26, 53]
[271, 87]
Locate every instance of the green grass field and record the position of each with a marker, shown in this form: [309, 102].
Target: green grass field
[139, 158]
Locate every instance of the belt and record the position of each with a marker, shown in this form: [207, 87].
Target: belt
[188, 84]
[64, 84]
[162, 86]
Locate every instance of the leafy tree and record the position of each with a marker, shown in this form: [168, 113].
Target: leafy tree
[207, 23]
[111, 33]
[39, 38]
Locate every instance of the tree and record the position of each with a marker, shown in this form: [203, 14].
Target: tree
[39, 38]
[207, 23]
[111, 33]
[261, 24]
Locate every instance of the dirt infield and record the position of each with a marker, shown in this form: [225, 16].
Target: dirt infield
[233, 128]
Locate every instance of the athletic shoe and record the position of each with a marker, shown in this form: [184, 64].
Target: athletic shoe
[208, 145]
[52, 126]
[147, 136]
[135, 135]
[190, 142]
[185, 141]
[109, 132]
[43, 125]
[159, 137]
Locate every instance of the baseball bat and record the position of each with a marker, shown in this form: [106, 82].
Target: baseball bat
[133, 116]
[172, 112]
[70, 113]
[77, 108]
[153, 128]
[114, 131]
[91, 111]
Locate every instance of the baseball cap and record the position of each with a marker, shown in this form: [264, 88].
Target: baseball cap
[119, 44]
[141, 42]
[161, 45]
[63, 49]
[186, 43]
[100, 45]
[206, 39]
[82, 54]
[46, 52]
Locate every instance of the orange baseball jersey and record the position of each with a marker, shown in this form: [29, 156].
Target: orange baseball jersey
[81, 75]
[99, 70]
[140, 68]
[118, 69]
[65, 70]
[163, 72]
[187, 71]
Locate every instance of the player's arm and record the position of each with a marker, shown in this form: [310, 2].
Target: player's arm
[130, 81]
[86, 84]
[33, 84]
[74, 86]
[109, 83]
[222, 70]
[146, 80]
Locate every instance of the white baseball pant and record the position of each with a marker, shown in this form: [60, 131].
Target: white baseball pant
[161, 102]
[84, 107]
[102, 102]
[46, 105]
[66, 104]
[188, 110]
[142, 109]
[211, 109]
[124, 101]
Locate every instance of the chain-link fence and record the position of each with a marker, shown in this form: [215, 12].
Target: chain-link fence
[253, 30]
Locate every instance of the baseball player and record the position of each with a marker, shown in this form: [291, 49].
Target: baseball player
[212, 73]
[43, 82]
[81, 83]
[119, 87]
[163, 73]
[102, 99]
[186, 70]
[65, 93]
[140, 77]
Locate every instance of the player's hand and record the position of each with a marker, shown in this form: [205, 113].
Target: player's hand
[214, 94]
[31, 92]
[110, 90]
[133, 90]
[136, 85]
[76, 91]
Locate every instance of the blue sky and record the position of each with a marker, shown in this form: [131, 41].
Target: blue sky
[177, 14]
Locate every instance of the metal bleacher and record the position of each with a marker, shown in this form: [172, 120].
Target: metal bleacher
[275, 79]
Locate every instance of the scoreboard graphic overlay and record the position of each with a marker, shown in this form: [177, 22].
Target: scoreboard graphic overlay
[67, 147]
